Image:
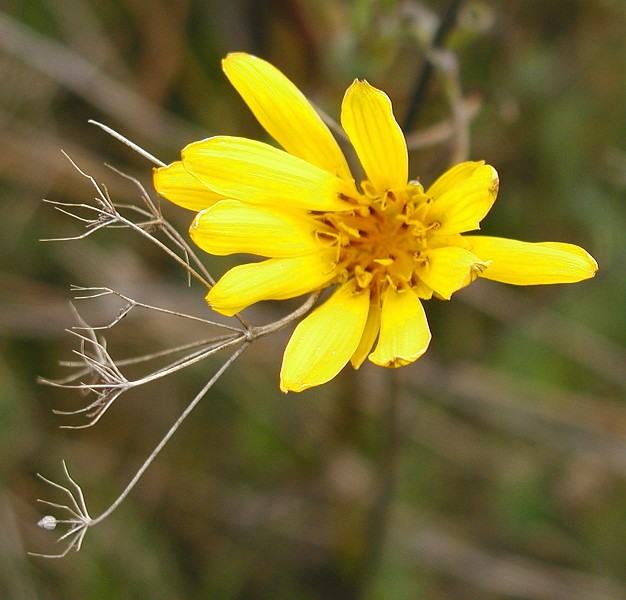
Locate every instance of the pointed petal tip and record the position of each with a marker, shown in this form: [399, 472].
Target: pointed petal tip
[227, 311]
[238, 57]
[295, 386]
[593, 265]
[180, 187]
[357, 82]
[232, 55]
[396, 361]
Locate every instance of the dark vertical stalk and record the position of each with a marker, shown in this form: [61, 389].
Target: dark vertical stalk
[446, 24]
[378, 518]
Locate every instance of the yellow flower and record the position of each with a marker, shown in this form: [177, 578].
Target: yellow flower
[386, 244]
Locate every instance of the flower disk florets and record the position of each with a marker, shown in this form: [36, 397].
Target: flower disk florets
[383, 241]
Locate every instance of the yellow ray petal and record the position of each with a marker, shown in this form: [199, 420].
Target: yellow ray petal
[273, 279]
[179, 186]
[284, 112]
[453, 176]
[367, 117]
[257, 173]
[230, 227]
[468, 192]
[404, 333]
[448, 268]
[524, 263]
[440, 241]
[323, 343]
[370, 333]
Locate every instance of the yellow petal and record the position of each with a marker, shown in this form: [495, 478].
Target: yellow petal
[404, 333]
[447, 269]
[284, 112]
[230, 227]
[440, 241]
[273, 279]
[370, 333]
[462, 197]
[367, 117]
[323, 343]
[179, 186]
[524, 263]
[453, 177]
[257, 173]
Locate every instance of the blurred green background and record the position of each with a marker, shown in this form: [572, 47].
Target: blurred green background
[499, 471]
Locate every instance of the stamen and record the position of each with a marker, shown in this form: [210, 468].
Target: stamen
[381, 242]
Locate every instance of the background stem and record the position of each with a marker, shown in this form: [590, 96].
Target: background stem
[446, 24]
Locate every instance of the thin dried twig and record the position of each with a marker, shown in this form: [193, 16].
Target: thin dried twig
[128, 143]
[107, 215]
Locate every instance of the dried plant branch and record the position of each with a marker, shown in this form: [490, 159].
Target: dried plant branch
[79, 520]
[107, 215]
[128, 143]
[98, 292]
[155, 212]
[99, 366]
[109, 383]
[169, 231]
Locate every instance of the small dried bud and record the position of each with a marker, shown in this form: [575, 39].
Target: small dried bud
[48, 522]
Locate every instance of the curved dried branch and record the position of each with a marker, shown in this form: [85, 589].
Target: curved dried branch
[107, 215]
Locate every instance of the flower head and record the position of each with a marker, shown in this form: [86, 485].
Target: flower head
[386, 244]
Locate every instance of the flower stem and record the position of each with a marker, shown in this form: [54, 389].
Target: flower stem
[378, 517]
[446, 24]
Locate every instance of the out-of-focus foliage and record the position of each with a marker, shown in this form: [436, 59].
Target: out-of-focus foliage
[504, 474]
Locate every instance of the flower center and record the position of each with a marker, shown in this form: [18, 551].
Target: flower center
[383, 241]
